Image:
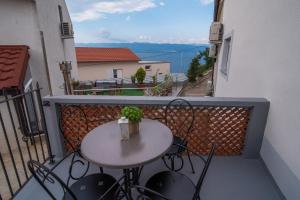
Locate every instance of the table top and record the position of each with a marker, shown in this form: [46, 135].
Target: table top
[104, 147]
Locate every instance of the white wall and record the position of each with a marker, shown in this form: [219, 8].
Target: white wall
[19, 27]
[103, 70]
[264, 62]
[21, 23]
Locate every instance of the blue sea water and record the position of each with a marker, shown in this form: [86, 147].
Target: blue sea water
[179, 55]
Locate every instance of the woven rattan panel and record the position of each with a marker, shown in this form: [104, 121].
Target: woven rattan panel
[225, 126]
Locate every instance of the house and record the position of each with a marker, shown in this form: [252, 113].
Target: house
[111, 63]
[44, 29]
[259, 57]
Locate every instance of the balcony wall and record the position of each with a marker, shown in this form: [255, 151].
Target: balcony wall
[236, 125]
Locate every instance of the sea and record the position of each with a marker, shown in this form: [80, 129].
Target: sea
[179, 55]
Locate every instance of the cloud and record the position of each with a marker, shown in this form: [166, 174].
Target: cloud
[101, 8]
[162, 3]
[206, 2]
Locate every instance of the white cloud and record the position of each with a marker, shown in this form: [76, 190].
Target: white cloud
[162, 3]
[99, 9]
[128, 18]
[206, 2]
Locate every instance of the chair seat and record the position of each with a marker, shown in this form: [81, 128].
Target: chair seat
[172, 185]
[92, 187]
[176, 149]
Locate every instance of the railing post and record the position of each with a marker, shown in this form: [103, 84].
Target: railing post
[44, 125]
[256, 129]
[55, 139]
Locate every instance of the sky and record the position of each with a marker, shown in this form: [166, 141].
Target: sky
[151, 21]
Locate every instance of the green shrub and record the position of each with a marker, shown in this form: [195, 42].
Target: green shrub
[140, 75]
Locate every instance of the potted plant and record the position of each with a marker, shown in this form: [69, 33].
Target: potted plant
[134, 116]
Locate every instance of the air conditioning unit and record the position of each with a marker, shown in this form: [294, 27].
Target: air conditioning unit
[213, 51]
[216, 33]
[66, 30]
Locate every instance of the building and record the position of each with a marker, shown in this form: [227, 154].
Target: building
[37, 24]
[110, 63]
[259, 57]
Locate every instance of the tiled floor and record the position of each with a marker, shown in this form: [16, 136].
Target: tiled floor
[229, 178]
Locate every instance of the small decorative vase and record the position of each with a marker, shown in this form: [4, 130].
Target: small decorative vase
[133, 127]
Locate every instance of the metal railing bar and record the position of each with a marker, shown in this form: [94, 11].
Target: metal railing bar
[9, 149]
[6, 175]
[32, 139]
[16, 135]
[25, 139]
[17, 139]
[43, 121]
[17, 96]
[37, 121]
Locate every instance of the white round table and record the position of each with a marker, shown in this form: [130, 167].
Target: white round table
[103, 146]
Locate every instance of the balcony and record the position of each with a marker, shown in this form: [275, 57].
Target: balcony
[236, 125]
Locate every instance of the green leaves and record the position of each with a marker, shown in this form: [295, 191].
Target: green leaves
[140, 75]
[132, 113]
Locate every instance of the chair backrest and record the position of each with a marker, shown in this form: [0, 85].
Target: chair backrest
[204, 171]
[179, 117]
[45, 177]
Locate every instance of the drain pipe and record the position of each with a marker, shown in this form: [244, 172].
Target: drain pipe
[46, 62]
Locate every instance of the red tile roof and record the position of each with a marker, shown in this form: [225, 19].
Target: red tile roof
[13, 65]
[88, 54]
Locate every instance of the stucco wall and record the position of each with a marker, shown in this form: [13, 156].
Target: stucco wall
[264, 62]
[100, 71]
[21, 23]
[19, 26]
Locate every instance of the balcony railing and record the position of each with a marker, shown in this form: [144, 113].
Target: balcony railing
[23, 136]
[235, 125]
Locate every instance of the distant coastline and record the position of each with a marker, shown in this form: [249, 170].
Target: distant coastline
[179, 55]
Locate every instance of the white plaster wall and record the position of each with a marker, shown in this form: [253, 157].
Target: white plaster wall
[163, 68]
[21, 22]
[19, 26]
[103, 70]
[264, 62]
[57, 49]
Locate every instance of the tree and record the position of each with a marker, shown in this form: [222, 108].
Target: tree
[193, 69]
[208, 61]
[140, 75]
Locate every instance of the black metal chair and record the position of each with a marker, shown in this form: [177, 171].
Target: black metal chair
[74, 150]
[100, 187]
[74, 158]
[171, 185]
[179, 116]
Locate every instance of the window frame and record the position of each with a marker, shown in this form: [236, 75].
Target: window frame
[60, 13]
[149, 69]
[226, 54]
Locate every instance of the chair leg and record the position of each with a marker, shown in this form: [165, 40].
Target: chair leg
[101, 170]
[191, 163]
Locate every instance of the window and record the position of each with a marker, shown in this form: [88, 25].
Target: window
[226, 55]
[117, 73]
[60, 14]
[148, 67]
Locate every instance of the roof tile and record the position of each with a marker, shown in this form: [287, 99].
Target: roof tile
[88, 54]
[13, 65]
